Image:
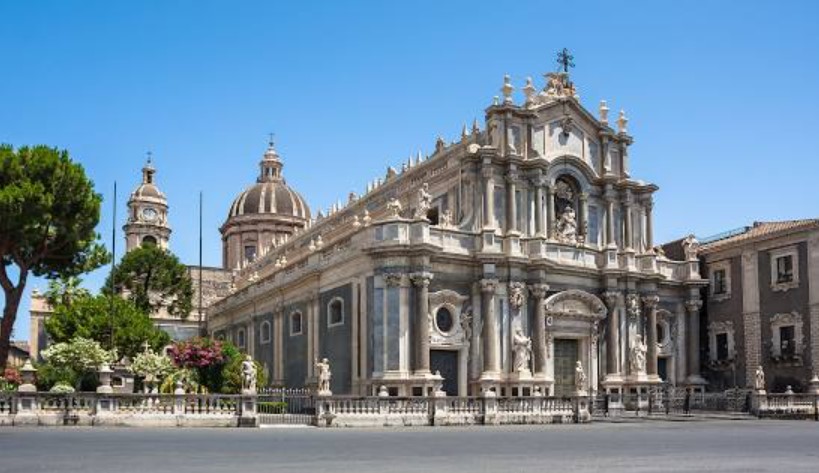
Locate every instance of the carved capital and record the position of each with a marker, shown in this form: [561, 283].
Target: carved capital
[393, 279]
[650, 301]
[693, 305]
[489, 285]
[421, 279]
[487, 172]
[611, 298]
[512, 177]
[539, 290]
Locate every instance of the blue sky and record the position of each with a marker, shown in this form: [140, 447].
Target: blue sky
[722, 96]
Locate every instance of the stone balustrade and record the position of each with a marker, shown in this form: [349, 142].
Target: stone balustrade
[786, 405]
[137, 410]
[415, 411]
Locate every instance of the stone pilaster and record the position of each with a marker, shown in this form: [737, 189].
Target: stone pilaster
[488, 196]
[612, 299]
[539, 328]
[649, 206]
[538, 185]
[550, 212]
[750, 314]
[650, 306]
[584, 217]
[813, 298]
[628, 223]
[421, 282]
[511, 203]
[491, 339]
[693, 336]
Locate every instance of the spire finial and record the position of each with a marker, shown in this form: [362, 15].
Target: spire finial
[270, 139]
[150, 156]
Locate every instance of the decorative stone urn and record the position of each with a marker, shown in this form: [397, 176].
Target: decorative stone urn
[27, 372]
[105, 372]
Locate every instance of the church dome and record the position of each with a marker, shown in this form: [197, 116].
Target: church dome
[263, 215]
[148, 187]
[270, 195]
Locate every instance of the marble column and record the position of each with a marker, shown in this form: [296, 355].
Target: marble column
[550, 211]
[538, 184]
[649, 206]
[511, 203]
[613, 333]
[421, 282]
[650, 305]
[610, 237]
[488, 197]
[627, 223]
[693, 336]
[584, 216]
[491, 339]
[539, 327]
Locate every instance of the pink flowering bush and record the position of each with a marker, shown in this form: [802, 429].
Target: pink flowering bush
[205, 357]
[197, 353]
[10, 380]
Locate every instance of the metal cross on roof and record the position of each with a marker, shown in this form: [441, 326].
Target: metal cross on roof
[150, 156]
[270, 141]
[565, 59]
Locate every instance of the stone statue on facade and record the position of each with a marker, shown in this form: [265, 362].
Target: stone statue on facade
[638, 356]
[566, 226]
[394, 208]
[633, 305]
[759, 379]
[324, 375]
[248, 375]
[579, 378]
[522, 346]
[691, 246]
[516, 295]
[424, 202]
[445, 219]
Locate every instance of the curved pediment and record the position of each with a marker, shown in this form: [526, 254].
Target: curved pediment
[575, 303]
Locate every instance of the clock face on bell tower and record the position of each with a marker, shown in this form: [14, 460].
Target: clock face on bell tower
[147, 211]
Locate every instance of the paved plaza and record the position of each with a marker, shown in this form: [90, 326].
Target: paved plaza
[650, 446]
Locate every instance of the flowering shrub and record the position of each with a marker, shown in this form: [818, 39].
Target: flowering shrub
[80, 354]
[10, 380]
[62, 388]
[151, 366]
[197, 353]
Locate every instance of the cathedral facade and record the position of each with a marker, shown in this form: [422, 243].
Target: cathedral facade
[509, 260]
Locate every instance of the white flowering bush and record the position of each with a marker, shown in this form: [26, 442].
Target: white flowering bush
[80, 355]
[151, 366]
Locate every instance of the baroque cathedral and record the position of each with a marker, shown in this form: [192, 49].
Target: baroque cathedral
[505, 261]
[508, 260]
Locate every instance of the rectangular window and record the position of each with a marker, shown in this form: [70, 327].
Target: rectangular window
[722, 346]
[784, 269]
[250, 253]
[719, 282]
[786, 341]
[594, 224]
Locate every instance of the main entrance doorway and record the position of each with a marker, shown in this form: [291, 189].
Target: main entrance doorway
[446, 361]
[565, 361]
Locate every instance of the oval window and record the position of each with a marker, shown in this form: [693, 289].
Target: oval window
[443, 319]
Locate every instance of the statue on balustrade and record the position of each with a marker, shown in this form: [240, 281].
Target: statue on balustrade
[522, 346]
[566, 226]
[759, 379]
[638, 356]
[324, 375]
[579, 377]
[424, 202]
[248, 375]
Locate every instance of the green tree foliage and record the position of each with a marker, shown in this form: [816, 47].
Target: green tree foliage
[65, 290]
[71, 362]
[90, 317]
[48, 213]
[154, 278]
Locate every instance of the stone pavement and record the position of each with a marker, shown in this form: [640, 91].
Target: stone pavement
[652, 446]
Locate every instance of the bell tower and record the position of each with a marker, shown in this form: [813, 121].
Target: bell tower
[147, 213]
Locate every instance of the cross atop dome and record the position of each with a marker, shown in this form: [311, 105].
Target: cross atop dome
[271, 165]
[148, 170]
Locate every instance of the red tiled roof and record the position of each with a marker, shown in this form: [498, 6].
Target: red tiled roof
[760, 230]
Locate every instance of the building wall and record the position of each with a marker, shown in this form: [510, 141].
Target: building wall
[296, 356]
[335, 342]
[726, 310]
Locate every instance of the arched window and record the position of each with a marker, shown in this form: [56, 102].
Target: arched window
[250, 253]
[148, 240]
[264, 333]
[240, 338]
[295, 323]
[335, 312]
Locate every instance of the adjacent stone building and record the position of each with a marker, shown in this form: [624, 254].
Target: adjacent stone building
[762, 305]
[497, 263]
